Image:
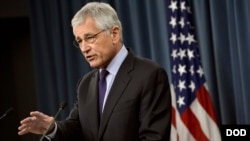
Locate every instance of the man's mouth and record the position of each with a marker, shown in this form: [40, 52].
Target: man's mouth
[90, 57]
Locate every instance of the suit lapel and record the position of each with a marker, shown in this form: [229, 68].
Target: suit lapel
[119, 85]
[92, 103]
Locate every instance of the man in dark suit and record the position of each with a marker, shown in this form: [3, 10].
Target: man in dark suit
[133, 101]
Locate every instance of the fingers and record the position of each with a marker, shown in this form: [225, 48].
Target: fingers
[36, 123]
[23, 129]
[25, 126]
[38, 114]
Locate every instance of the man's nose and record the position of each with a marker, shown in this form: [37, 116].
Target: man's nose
[84, 47]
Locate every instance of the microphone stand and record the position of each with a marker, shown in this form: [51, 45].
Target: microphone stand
[8, 112]
[62, 106]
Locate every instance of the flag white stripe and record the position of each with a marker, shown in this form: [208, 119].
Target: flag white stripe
[173, 133]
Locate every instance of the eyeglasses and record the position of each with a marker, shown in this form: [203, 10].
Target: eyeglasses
[88, 39]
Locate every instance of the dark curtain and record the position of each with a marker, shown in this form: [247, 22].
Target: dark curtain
[222, 31]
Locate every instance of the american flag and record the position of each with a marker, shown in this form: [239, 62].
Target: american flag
[193, 114]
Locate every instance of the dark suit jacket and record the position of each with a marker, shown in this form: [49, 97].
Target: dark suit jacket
[138, 107]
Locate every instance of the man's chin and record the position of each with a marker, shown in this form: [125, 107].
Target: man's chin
[93, 65]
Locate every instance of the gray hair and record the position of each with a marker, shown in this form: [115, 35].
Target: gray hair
[103, 14]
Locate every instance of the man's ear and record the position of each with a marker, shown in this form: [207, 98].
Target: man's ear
[115, 33]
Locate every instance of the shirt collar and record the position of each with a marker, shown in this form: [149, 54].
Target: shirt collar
[116, 62]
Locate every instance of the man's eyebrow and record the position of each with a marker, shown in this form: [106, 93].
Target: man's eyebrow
[84, 35]
[88, 34]
[77, 38]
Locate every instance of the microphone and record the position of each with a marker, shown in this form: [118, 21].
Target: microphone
[62, 106]
[7, 113]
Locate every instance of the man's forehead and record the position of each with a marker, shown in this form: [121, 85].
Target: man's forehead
[87, 27]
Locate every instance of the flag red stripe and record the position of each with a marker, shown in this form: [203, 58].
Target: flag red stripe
[192, 123]
[204, 99]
